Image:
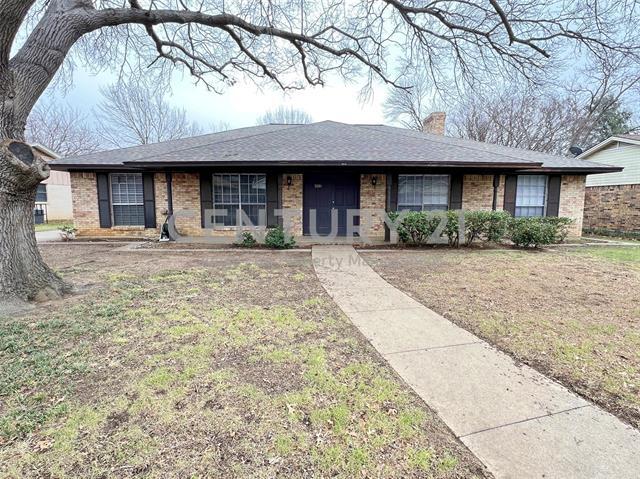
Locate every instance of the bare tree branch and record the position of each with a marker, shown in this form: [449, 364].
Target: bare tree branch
[285, 115]
[61, 128]
[137, 114]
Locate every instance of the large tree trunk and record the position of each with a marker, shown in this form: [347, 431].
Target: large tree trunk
[23, 274]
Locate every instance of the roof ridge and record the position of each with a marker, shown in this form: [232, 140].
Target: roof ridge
[291, 127]
[439, 139]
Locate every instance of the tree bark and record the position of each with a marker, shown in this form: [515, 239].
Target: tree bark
[23, 273]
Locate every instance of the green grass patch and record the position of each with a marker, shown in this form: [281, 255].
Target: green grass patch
[626, 254]
[52, 225]
[176, 373]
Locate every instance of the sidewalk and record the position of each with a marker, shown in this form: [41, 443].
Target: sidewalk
[517, 421]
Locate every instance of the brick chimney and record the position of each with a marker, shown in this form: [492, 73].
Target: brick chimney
[434, 123]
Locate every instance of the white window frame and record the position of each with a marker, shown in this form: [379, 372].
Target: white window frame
[113, 203]
[544, 201]
[240, 203]
[422, 204]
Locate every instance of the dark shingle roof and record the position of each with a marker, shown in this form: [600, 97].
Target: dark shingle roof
[325, 142]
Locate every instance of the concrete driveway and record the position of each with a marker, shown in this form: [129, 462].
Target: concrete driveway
[518, 422]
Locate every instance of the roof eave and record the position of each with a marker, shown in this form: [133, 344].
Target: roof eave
[327, 163]
[575, 170]
[604, 143]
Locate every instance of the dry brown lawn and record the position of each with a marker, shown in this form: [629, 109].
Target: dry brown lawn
[572, 314]
[205, 364]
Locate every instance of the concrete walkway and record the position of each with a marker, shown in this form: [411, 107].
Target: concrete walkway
[517, 421]
[48, 236]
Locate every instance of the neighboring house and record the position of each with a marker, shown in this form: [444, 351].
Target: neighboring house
[53, 199]
[612, 200]
[325, 166]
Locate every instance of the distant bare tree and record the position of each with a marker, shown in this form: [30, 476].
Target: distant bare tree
[549, 120]
[217, 126]
[61, 128]
[134, 114]
[525, 118]
[410, 105]
[285, 115]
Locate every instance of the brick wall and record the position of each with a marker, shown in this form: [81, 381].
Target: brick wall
[500, 198]
[477, 195]
[373, 197]
[160, 192]
[477, 192]
[614, 207]
[292, 199]
[572, 201]
[186, 203]
[84, 194]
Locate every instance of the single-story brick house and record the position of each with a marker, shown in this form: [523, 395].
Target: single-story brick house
[612, 200]
[321, 166]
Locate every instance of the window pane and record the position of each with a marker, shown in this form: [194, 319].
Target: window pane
[228, 219]
[253, 189]
[128, 215]
[253, 213]
[409, 192]
[435, 193]
[41, 194]
[127, 199]
[126, 189]
[234, 191]
[531, 195]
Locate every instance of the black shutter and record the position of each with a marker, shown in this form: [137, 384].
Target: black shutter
[392, 200]
[206, 197]
[553, 198]
[272, 199]
[510, 186]
[104, 200]
[455, 192]
[392, 192]
[148, 194]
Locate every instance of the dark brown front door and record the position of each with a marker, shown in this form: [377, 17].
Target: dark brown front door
[329, 195]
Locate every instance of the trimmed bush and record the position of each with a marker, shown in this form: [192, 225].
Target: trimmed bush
[538, 231]
[248, 241]
[562, 227]
[417, 227]
[485, 225]
[277, 239]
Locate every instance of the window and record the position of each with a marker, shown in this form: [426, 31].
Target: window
[41, 194]
[233, 192]
[423, 192]
[127, 199]
[531, 192]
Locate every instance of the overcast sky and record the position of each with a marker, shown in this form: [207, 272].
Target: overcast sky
[242, 104]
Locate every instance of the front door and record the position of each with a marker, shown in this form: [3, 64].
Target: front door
[329, 195]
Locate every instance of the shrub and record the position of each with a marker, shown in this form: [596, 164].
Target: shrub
[537, 231]
[417, 226]
[67, 232]
[276, 238]
[248, 241]
[452, 228]
[486, 225]
[562, 227]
